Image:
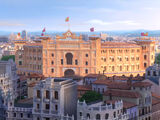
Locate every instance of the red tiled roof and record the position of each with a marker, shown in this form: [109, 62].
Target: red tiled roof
[128, 104]
[84, 88]
[102, 82]
[35, 75]
[125, 78]
[119, 85]
[32, 84]
[155, 101]
[120, 93]
[27, 100]
[155, 96]
[141, 84]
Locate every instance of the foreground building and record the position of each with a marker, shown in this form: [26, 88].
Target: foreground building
[69, 55]
[55, 98]
[138, 93]
[8, 77]
[153, 76]
[101, 111]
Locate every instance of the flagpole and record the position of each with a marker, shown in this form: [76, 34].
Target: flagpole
[68, 26]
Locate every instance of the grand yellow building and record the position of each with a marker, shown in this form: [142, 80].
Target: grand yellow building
[71, 55]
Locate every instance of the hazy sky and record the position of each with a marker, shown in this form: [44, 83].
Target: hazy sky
[32, 15]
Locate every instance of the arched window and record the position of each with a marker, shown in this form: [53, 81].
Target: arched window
[145, 65]
[145, 57]
[69, 58]
[98, 117]
[88, 115]
[106, 116]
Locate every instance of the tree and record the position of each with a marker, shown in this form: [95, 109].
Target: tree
[157, 59]
[6, 58]
[91, 96]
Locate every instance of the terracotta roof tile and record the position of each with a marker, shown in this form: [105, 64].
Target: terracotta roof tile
[119, 85]
[102, 82]
[32, 84]
[141, 84]
[84, 88]
[128, 104]
[120, 93]
[35, 75]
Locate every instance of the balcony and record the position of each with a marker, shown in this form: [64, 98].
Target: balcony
[54, 100]
[37, 110]
[37, 99]
[46, 111]
[54, 112]
[46, 100]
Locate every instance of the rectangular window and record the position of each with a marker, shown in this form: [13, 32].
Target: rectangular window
[20, 62]
[37, 106]
[56, 107]
[86, 71]
[56, 95]
[52, 70]
[86, 63]
[76, 62]
[14, 114]
[38, 94]
[21, 115]
[47, 106]
[145, 65]
[61, 61]
[47, 94]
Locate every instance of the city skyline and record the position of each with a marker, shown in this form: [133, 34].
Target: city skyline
[104, 15]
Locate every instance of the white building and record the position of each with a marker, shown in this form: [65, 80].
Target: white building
[55, 98]
[101, 111]
[8, 77]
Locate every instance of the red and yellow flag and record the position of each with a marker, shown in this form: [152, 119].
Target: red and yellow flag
[67, 19]
[19, 34]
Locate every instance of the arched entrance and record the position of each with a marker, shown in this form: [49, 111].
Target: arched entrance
[69, 58]
[69, 72]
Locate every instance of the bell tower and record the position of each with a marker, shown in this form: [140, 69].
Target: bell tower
[147, 51]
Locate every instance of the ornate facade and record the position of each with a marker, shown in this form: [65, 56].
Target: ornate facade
[71, 55]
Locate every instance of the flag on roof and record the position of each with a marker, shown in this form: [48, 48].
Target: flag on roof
[67, 19]
[19, 34]
[92, 29]
[44, 30]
